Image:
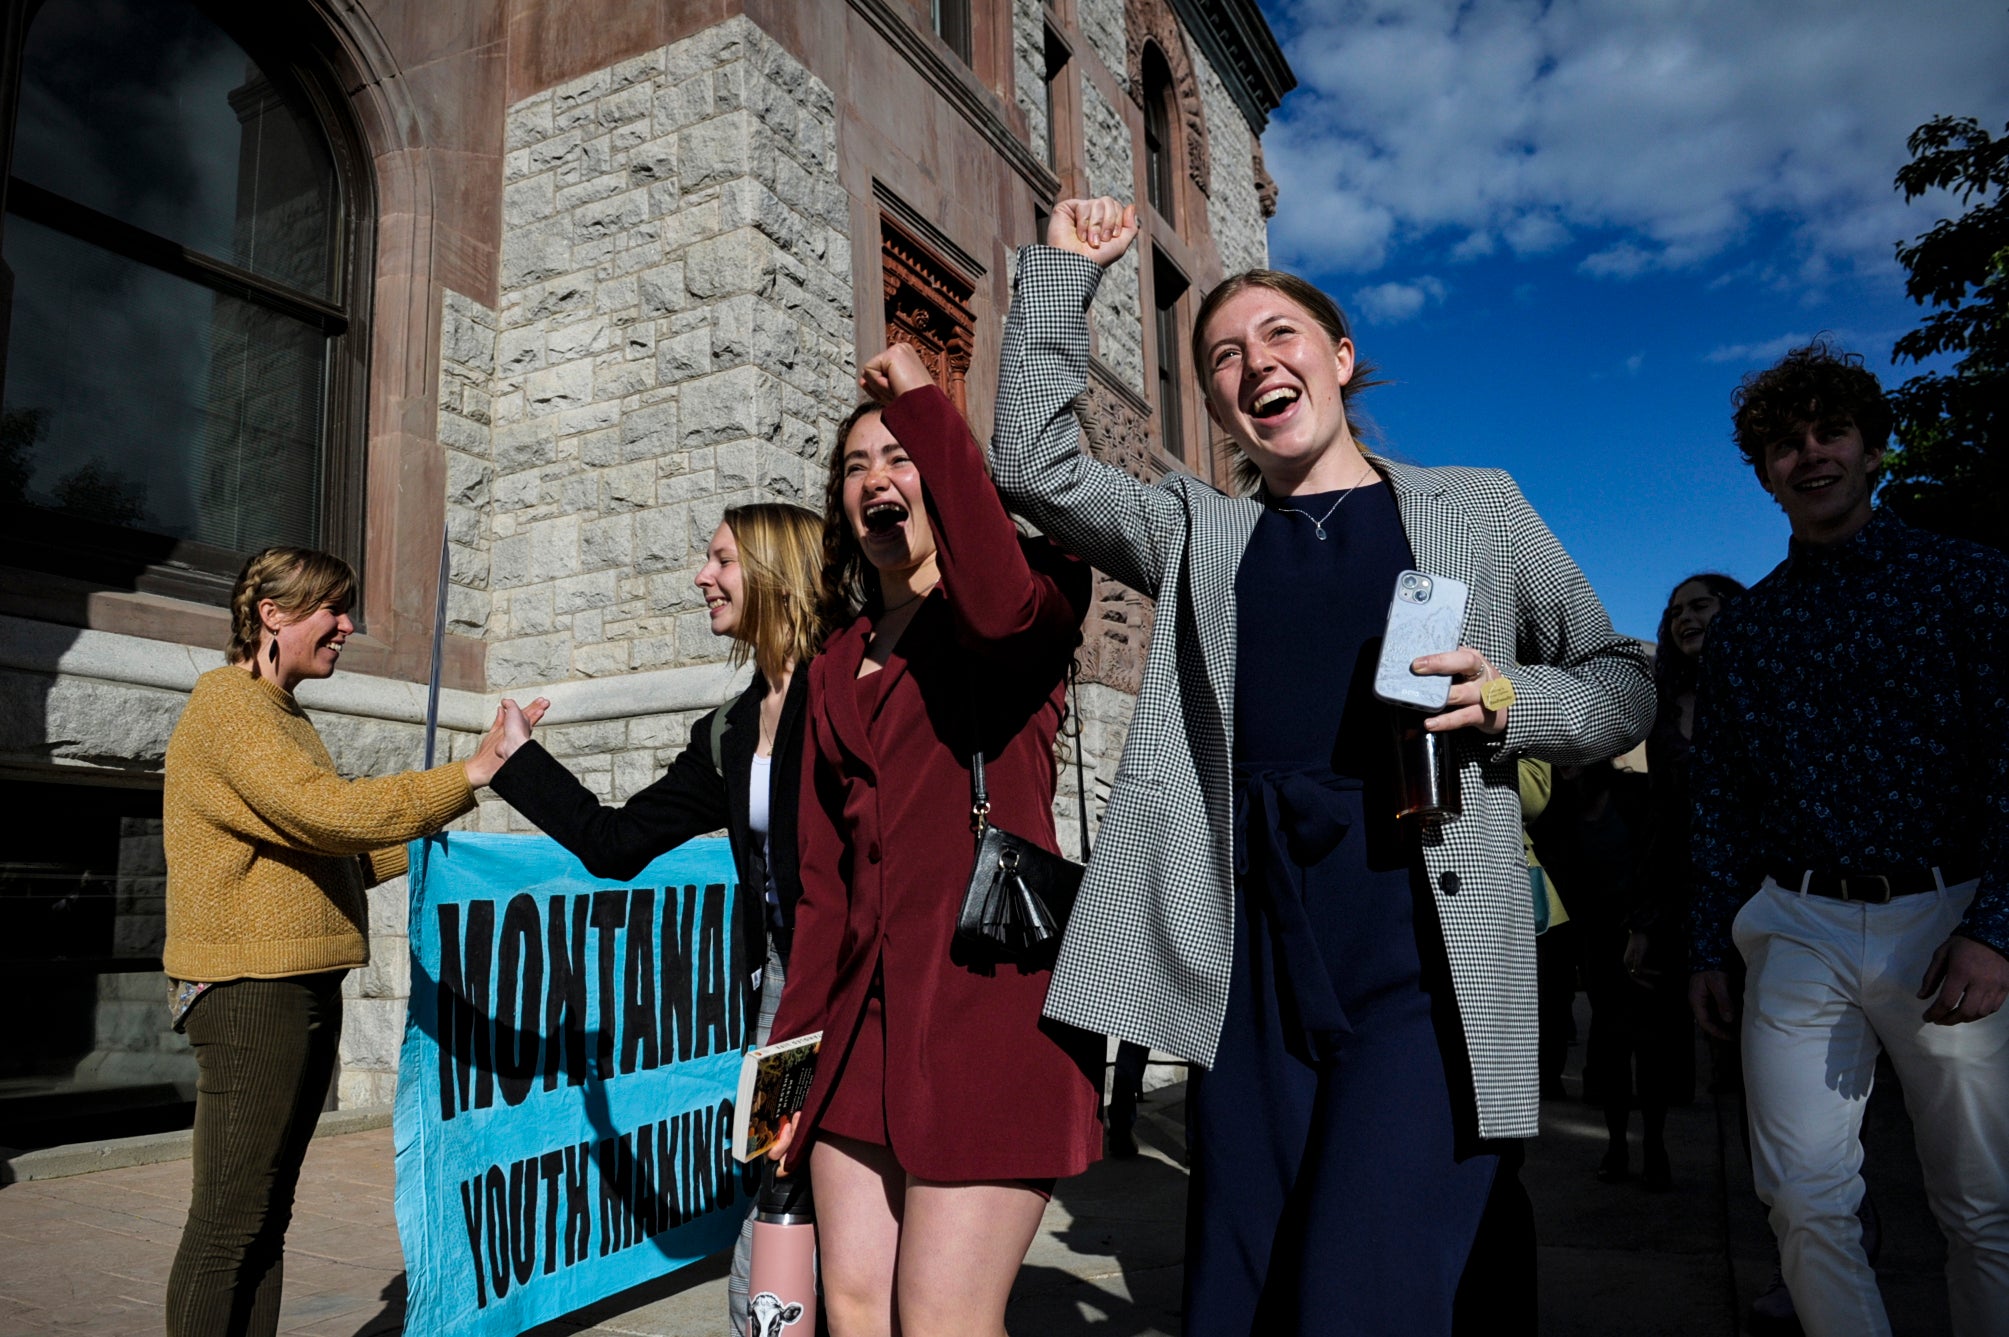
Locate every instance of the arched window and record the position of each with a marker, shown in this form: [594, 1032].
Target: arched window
[1160, 109]
[184, 357]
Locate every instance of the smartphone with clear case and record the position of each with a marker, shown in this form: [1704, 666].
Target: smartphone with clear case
[1426, 617]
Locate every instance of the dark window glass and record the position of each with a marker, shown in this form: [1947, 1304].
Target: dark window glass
[176, 233]
[1056, 61]
[149, 113]
[951, 19]
[82, 923]
[159, 404]
[1169, 285]
[1158, 179]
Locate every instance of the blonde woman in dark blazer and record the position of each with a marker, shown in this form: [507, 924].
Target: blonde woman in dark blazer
[1364, 993]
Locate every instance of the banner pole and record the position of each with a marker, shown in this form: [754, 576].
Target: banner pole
[438, 648]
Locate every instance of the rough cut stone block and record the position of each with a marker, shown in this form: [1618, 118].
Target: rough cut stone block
[532, 612]
[389, 973]
[528, 122]
[742, 403]
[526, 202]
[564, 386]
[654, 427]
[467, 611]
[530, 255]
[596, 740]
[607, 545]
[606, 659]
[586, 88]
[373, 1029]
[629, 104]
[575, 197]
[661, 538]
[629, 487]
[554, 546]
[87, 719]
[724, 147]
[641, 69]
[687, 355]
[528, 661]
[594, 589]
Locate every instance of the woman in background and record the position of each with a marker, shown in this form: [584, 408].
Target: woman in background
[742, 770]
[1655, 956]
[269, 852]
[943, 1107]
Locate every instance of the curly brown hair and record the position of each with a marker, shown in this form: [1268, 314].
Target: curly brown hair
[1816, 383]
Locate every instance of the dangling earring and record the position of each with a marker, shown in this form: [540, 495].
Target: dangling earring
[273, 654]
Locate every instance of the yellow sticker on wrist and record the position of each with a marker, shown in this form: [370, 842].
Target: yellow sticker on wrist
[1497, 694]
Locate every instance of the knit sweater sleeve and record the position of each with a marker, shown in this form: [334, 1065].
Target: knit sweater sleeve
[380, 866]
[291, 797]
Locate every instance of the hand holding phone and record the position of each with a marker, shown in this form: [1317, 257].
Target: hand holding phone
[1426, 617]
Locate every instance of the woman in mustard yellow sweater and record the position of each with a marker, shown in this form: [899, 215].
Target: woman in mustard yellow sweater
[269, 851]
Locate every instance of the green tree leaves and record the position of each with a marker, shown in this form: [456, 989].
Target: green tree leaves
[1950, 468]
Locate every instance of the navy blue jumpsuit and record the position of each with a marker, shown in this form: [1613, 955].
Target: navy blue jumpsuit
[1334, 1189]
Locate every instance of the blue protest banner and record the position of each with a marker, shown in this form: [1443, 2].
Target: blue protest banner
[565, 1090]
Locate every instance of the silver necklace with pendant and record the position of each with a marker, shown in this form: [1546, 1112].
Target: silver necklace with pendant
[1318, 523]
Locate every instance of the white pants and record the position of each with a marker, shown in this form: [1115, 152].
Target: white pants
[1830, 983]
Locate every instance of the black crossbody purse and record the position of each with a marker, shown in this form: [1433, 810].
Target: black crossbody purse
[1019, 896]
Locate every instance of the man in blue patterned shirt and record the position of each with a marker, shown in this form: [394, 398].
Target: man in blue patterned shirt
[1851, 781]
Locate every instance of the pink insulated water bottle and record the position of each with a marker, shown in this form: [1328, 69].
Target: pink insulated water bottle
[781, 1284]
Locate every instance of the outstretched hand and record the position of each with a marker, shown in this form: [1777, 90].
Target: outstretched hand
[893, 373]
[510, 731]
[1100, 229]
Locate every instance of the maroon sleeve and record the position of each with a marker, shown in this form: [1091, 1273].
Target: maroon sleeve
[998, 598]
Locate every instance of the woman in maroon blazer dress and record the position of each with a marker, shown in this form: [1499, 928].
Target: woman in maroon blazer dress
[943, 1106]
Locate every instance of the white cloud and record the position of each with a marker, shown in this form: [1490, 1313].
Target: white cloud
[1393, 303]
[1763, 353]
[1659, 132]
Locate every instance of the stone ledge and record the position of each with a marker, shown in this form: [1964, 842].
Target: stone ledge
[107, 656]
[82, 1158]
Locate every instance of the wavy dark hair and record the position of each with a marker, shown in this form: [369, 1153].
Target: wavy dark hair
[1814, 383]
[1673, 671]
[849, 582]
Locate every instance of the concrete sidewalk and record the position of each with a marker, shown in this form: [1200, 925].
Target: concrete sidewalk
[90, 1253]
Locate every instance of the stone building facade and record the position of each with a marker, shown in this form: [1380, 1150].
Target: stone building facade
[597, 272]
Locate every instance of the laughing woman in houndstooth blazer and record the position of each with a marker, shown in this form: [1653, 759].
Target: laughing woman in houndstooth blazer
[1357, 996]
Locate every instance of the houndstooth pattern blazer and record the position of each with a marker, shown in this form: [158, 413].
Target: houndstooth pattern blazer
[1147, 953]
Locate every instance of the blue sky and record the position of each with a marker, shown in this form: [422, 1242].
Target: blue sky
[1565, 230]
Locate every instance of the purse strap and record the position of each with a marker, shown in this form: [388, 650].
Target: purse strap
[980, 794]
[1080, 773]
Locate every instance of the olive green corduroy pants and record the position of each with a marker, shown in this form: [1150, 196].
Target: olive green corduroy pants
[265, 1051]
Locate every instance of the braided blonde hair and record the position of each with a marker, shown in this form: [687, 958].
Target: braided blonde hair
[299, 580]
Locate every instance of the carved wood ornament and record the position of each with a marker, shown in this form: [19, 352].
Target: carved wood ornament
[1266, 185]
[928, 307]
[1119, 432]
[1148, 22]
